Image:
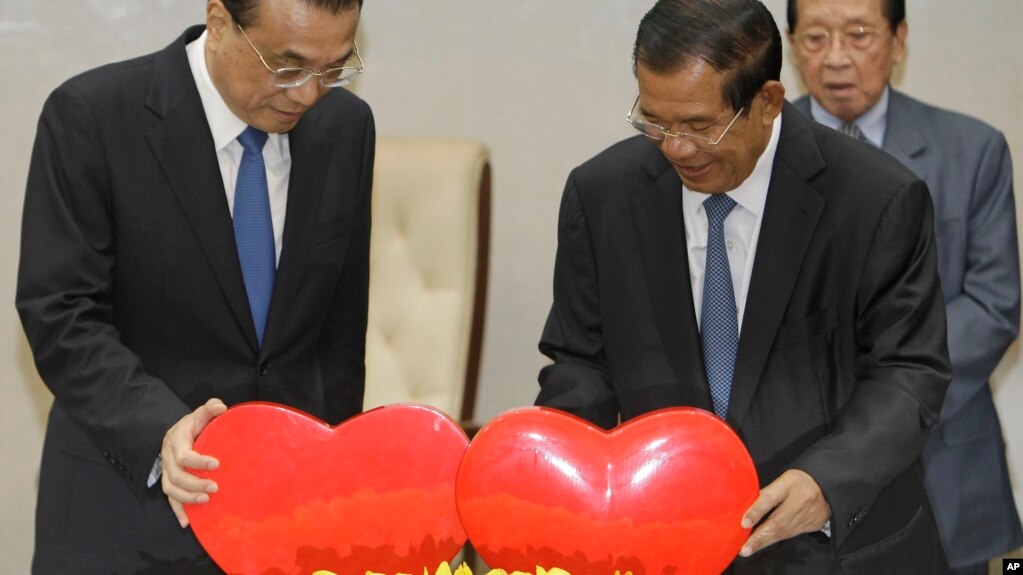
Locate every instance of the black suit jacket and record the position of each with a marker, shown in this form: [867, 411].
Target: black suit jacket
[131, 294]
[842, 364]
[968, 170]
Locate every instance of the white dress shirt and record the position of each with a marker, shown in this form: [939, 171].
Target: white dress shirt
[225, 128]
[742, 228]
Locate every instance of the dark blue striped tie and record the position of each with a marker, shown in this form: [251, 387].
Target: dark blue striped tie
[718, 320]
[253, 227]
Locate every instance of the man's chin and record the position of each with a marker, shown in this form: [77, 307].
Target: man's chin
[844, 108]
[699, 179]
[277, 122]
[286, 118]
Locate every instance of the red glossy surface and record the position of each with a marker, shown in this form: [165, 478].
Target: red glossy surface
[662, 494]
[374, 493]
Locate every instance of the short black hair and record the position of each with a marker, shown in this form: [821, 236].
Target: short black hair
[894, 10]
[737, 37]
[241, 10]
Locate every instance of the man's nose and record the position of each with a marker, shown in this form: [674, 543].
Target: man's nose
[836, 53]
[679, 147]
[307, 94]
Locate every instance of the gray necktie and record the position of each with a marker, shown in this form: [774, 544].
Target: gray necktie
[853, 130]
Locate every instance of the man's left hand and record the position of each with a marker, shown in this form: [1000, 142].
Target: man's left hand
[793, 504]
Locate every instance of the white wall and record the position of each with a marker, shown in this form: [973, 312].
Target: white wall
[544, 83]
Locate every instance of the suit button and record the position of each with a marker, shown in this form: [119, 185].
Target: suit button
[264, 368]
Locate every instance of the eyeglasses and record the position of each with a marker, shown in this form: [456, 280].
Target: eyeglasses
[856, 37]
[659, 133]
[295, 77]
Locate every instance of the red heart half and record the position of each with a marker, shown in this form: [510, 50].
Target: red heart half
[661, 494]
[296, 495]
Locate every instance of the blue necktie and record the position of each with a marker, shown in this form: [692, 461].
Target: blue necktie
[253, 227]
[718, 321]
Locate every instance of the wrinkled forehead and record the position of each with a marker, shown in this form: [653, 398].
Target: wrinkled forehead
[840, 12]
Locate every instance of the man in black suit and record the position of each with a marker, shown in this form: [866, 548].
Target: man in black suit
[801, 302]
[136, 298]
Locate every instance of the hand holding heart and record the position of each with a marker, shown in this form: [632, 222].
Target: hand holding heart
[176, 453]
[793, 504]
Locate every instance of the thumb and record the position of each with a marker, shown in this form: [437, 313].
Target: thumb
[205, 413]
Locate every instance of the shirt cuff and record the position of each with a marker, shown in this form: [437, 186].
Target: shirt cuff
[157, 471]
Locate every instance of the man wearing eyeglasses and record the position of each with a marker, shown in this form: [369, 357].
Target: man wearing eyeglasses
[738, 257]
[195, 234]
[846, 51]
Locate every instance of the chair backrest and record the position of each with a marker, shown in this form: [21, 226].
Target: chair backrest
[428, 273]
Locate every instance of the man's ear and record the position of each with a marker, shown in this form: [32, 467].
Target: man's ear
[899, 49]
[217, 21]
[770, 99]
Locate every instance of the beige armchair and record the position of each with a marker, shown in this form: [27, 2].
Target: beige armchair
[428, 274]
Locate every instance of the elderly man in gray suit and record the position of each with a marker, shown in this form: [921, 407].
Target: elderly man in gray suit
[846, 51]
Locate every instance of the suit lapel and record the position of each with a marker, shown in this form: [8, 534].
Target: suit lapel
[310, 157]
[657, 213]
[183, 146]
[902, 137]
[790, 218]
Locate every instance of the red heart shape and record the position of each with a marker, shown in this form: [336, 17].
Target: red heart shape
[662, 494]
[375, 493]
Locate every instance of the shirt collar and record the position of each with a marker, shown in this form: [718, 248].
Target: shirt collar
[872, 123]
[751, 194]
[224, 125]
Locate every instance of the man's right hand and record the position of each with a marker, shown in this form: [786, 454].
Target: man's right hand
[178, 484]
